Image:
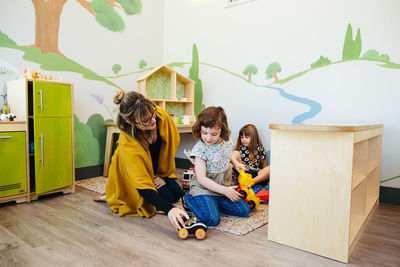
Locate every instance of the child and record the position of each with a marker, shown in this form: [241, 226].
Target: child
[210, 190]
[250, 156]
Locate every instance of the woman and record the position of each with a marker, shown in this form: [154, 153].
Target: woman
[140, 178]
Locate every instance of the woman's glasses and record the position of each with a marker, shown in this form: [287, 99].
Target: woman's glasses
[147, 123]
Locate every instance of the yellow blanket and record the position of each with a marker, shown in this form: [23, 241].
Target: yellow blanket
[131, 169]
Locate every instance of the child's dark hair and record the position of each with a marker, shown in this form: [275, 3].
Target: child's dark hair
[210, 117]
[255, 141]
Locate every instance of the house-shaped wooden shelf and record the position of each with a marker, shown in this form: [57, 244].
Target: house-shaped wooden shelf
[169, 90]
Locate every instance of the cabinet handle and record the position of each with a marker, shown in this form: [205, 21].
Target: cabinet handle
[41, 147]
[5, 137]
[41, 99]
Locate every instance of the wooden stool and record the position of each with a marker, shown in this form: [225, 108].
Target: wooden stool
[113, 129]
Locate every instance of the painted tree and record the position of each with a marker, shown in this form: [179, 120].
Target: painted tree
[374, 55]
[250, 70]
[351, 48]
[116, 68]
[272, 70]
[322, 61]
[198, 88]
[48, 14]
[142, 64]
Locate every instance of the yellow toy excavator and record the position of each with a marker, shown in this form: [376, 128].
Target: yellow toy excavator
[245, 182]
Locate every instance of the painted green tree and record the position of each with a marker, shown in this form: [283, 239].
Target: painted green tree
[116, 68]
[272, 70]
[250, 70]
[322, 61]
[142, 64]
[198, 88]
[351, 48]
[374, 55]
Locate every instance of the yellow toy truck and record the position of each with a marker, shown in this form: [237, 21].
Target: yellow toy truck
[245, 182]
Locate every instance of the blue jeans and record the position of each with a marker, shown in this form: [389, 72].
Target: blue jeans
[171, 191]
[207, 207]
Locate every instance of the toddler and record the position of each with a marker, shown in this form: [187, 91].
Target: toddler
[250, 155]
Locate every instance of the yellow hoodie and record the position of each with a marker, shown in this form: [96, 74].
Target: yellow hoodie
[131, 169]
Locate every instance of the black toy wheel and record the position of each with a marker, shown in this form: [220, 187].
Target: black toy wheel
[243, 194]
[252, 204]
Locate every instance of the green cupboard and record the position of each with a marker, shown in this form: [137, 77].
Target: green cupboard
[47, 109]
[13, 163]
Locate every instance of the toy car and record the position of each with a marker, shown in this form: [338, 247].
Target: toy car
[187, 175]
[244, 188]
[193, 227]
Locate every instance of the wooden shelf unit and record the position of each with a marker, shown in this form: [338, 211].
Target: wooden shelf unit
[171, 100]
[321, 203]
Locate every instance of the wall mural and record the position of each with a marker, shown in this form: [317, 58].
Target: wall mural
[90, 136]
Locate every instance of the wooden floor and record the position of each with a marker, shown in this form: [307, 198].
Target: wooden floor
[73, 230]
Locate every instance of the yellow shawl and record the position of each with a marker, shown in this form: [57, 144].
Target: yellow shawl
[131, 168]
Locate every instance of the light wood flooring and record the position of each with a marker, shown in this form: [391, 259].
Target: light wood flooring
[73, 230]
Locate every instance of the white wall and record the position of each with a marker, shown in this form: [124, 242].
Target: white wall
[83, 40]
[296, 34]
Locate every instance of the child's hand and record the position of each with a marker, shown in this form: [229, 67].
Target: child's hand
[240, 166]
[231, 193]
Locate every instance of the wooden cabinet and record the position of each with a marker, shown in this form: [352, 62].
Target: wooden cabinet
[171, 91]
[324, 185]
[47, 109]
[13, 182]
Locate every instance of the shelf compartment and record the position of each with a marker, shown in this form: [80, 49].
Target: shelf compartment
[374, 150]
[372, 193]
[357, 210]
[360, 162]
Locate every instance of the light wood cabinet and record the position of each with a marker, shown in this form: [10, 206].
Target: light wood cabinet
[46, 108]
[324, 185]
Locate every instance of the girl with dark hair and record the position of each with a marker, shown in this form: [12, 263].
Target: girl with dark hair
[250, 155]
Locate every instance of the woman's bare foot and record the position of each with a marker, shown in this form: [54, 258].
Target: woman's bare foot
[100, 198]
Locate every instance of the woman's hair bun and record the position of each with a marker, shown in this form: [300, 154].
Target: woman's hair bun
[118, 97]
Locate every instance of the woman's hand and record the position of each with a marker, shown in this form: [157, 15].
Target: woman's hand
[159, 182]
[175, 216]
[232, 194]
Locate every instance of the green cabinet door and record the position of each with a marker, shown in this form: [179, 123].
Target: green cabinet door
[53, 153]
[51, 100]
[12, 163]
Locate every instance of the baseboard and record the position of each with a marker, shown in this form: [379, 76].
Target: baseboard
[88, 172]
[390, 195]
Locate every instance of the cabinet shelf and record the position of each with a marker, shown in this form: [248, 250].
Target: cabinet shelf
[359, 178]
